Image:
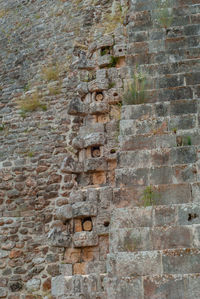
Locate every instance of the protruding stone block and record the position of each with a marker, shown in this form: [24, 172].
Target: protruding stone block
[77, 107]
[84, 209]
[92, 139]
[85, 239]
[64, 212]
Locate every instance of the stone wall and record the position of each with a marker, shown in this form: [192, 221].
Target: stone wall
[75, 165]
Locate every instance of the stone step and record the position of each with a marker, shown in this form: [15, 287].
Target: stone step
[174, 286]
[162, 110]
[161, 175]
[156, 216]
[155, 238]
[139, 5]
[166, 44]
[166, 195]
[175, 125]
[157, 262]
[159, 140]
[163, 57]
[182, 67]
[158, 157]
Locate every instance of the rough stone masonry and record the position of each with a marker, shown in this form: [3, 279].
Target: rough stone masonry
[99, 199]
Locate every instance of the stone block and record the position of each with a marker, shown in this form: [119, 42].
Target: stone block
[124, 288]
[79, 268]
[105, 41]
[61, 285]
[82, 89]
[95, 128]
[113, 95]
[160, 175]
[85, 239]
[65, 269]
[102, 223]
[165, 216]
[72, 166]
[104, 60]
[193, 287]
[138, 112]
[85, 64]
[130, 240]
[64, 213]
[84, 209]
[196, 192]
[119, 50]
[77, 107]
[154, 126]
[170, 81]
[77, 196]
[92, 195]
[181, 261]
[183, 155]
[92, 139]
[99, 108]
[165, 141]
[135, 264]
[90, 254]
[182, 123]
[98, 85]
[161, 109]
[185, 173]
[189, 214]
[192, 29]
[99, 178]
[127, 127]
[4, 253]
[160, 157]
[95, 164]
[3, 293]
[72, 255]
[105, 198]
[137, 142]
[131, 177]
[165, 287]
[135, 159]
[183, 107]
[96, 267]
[173, 194]
[58, 238]
[171, 237]
[33, 285]
[130, 218]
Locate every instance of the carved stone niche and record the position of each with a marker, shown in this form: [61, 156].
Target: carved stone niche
[98, 96]
[106, 50]
[95, 151]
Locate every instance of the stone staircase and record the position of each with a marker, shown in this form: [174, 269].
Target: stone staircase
[154, 234]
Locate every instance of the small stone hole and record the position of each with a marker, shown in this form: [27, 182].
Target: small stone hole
[120, 50]
[115, 94]
[99, 96]
[106, 223]
[87, 224]
[95, 152]
[192, 216]
[113, 151]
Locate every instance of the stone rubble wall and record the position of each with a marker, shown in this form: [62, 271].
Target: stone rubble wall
[73, 171]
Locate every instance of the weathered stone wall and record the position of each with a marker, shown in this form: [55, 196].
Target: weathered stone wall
[58, 183]
[55, 185]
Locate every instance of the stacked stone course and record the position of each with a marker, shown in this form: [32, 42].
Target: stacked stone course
[73, 223]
